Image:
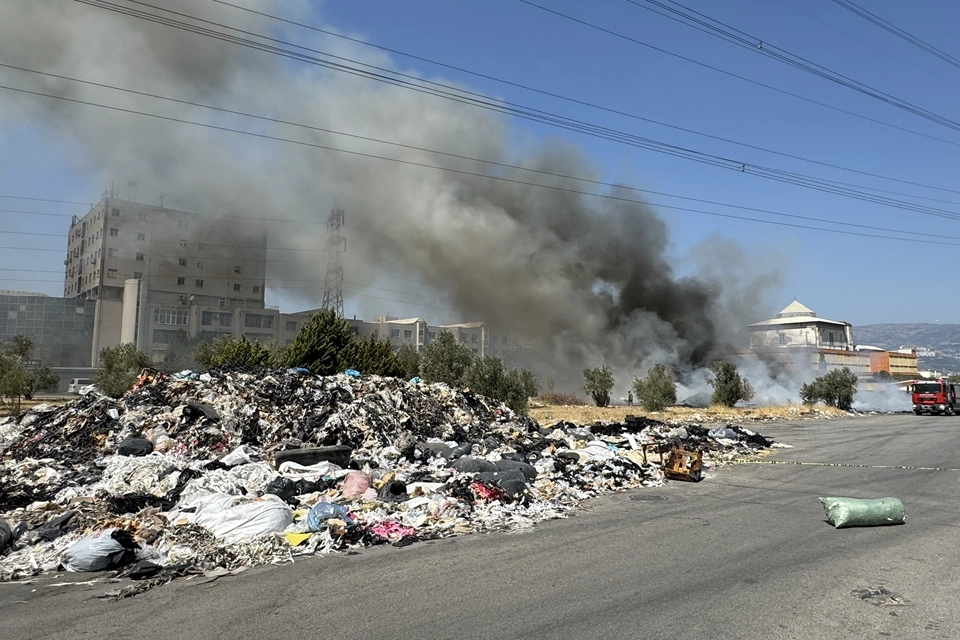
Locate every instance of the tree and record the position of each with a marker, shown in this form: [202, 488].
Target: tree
[835, 389]
[179, 355]
[38, 380]
[21, 347]
[228, 351]
[325, 345]
[728, 387]
[409, 359]
[13, 379]
[119, 368]
[376, 357]
[445, 360]
[521, 385]
[955, 377]
[658, 390]
[598, 383]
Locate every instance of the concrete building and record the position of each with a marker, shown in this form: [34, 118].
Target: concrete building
[153, 271]
[799, 326]
[61, 328]
[798, 338]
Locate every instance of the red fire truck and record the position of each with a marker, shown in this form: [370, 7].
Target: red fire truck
[935, 396]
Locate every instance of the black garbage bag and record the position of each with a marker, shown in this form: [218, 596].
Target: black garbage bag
[444, 451]
[469, 464]
[56, 527]
[196, 409]
[6, 534]
[393, 491]
[512, 482]
[144, 569]
[283, 488]
[528, 470]
[337, 454]
[134, 446]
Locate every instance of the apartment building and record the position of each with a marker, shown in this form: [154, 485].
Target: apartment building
[152, 271]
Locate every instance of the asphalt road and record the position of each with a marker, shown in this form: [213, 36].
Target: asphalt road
[744, 554]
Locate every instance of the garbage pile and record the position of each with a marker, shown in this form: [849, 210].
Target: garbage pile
[227, 469]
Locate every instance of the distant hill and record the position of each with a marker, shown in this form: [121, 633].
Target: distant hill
[937, 345]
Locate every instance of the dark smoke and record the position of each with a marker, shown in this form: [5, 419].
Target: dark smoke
[580, 279]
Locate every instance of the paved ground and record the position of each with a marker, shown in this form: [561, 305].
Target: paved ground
[744, 554]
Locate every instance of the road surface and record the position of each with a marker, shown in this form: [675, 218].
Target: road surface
[744, 554]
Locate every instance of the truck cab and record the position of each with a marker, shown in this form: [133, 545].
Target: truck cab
[934, 396]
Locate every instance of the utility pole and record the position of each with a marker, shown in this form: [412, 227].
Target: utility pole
[333, 282]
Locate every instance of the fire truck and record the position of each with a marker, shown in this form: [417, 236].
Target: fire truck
[934, 396]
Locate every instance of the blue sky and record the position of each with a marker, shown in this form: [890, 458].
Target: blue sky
[858, 279]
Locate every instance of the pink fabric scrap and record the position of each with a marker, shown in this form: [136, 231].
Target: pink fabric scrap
[484, 492]
[392, 530]
[355, 484]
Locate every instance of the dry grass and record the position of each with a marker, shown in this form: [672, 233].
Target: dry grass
[6, 408]
[547, 415]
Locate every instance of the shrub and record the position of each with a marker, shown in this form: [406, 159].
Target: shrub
[728, 387]
[835, 389]
[39, 380]
[228, 351]
[658, 390]
[375, 357]
[325, 345]
[561, 399]
[119, 368]
[598, 383]
[409, 359]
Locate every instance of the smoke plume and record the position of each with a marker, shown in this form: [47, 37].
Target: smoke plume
[579, 279]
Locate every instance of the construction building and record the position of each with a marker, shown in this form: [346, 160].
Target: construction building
[798, 338]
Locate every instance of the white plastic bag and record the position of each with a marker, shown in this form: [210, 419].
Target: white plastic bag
[234, 518]
[95, 552]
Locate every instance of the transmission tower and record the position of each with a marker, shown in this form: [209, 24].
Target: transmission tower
[333, 282]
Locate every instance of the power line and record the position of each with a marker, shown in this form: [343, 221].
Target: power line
[731, 74]
[584, 102]
[711, 26]
[897, 31]
[462, 95]
[946, 214]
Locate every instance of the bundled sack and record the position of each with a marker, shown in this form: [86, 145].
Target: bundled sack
[856, 512]
[101, 550]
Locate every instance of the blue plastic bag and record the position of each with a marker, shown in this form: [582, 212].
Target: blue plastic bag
[415, 380]
[353, 373]
[323, 511]
[305, 372]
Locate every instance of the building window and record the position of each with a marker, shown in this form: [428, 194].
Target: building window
[355, 330]
[782, 339]
[169, 316]
[257, 321]
[183, 244]
[181, 281]
[236, 287]
[431, 335]
[111, 253]
[139, 256]
[211, 318]
[114, 232]
[474, 337]
[291, 325]
[138, 275]
[141, 237]
[199, 264]
[163, 336]
[201, 246]
[182, 262]
[394, 333]
[407, 333]
[199, 282]
[111, 273]
[256, 288]
[236, 270]
[115, 213]
[142, 215]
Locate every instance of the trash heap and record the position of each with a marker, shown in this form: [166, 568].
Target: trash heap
[227, 469]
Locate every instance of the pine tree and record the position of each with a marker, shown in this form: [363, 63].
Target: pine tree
[325, 346]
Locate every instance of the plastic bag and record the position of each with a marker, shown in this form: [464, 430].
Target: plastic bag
[353, 373]
[856, 512]
[105, 549]
[323, 511]
[6, 534]
[234, 518]
[134, 446]
[240, 455]
[355, 483]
